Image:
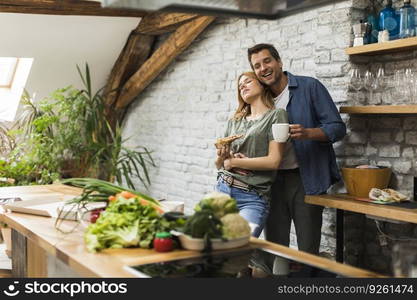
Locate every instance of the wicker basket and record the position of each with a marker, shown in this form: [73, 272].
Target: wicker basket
[359, 182]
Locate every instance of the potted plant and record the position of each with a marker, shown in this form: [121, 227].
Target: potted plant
[68, 135]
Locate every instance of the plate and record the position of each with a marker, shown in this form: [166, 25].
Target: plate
[379, 201]
[190, 243]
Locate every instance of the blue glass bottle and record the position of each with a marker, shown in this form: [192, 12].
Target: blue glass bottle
[407, 23]
[388, 20]
[372, 20]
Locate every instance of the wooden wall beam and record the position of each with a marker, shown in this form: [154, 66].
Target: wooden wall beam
[160, 23]
[65, 7]
[161, 58]
[138, 49]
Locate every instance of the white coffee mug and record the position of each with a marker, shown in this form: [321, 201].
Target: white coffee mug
[281, 132]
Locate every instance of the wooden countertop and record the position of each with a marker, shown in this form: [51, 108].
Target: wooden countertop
[70, 248]
[346, 202]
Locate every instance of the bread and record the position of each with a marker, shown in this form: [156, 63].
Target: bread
[396, 196]
[220, 142]
[386, 195]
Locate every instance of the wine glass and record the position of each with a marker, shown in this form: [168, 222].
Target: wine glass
[370, 84]
[356, 81]
[381, 80]
[408, 81]
[399, 84]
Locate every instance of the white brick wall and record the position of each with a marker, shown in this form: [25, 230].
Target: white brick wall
[186, 108]
[180, 114]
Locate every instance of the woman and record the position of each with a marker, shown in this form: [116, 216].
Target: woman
[247, 168]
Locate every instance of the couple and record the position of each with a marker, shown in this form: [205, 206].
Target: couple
[268, 179]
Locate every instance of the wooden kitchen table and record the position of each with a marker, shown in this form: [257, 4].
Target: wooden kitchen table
[344, 202]
[35, 236]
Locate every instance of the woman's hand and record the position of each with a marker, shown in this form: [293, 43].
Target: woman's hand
[263, 163]
[227, 164]
[239, 155]
[223, 152]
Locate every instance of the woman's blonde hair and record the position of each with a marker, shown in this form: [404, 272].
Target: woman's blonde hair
[243, 108]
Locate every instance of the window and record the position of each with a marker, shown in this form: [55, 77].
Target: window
[7, 71]
[14, 73]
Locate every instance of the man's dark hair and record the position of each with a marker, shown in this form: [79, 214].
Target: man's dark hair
[259, 47]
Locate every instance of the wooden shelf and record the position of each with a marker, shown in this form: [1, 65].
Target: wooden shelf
[349, 203]
[386, 47]
[379, 109]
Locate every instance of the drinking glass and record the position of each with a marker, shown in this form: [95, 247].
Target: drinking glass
[381, 79]
[399, 85]
[404, 259]
[370, 85]
[356, 81]
[409, 78]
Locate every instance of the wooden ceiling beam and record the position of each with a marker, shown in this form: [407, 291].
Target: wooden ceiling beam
[66, 7]
[136, 51]
[160, 23]
[161, 58]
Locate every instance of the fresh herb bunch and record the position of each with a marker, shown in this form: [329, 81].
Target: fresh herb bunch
[96, 190]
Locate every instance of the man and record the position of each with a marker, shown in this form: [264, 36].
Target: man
[309, 164]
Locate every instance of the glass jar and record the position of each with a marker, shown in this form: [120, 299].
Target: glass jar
[163, 242]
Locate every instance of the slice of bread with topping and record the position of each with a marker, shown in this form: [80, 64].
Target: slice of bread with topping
[220, 142]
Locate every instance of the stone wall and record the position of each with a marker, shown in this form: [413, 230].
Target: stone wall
[182, 112]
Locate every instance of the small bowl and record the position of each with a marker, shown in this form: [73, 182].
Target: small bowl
[190, 243]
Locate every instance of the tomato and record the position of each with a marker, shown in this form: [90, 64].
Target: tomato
[94, 214]
[163, 242]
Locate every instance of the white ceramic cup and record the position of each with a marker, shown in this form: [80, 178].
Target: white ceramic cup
[281, 132]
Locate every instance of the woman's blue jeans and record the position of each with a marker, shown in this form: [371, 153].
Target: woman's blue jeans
[252, 207]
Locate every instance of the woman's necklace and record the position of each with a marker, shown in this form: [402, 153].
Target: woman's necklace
[257, 116]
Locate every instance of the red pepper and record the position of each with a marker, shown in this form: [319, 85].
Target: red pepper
[163, 242]
[94, 214]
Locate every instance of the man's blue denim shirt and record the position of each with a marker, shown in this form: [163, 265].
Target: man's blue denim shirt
[312, 106]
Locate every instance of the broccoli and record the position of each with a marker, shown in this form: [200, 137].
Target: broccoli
[203, 224]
